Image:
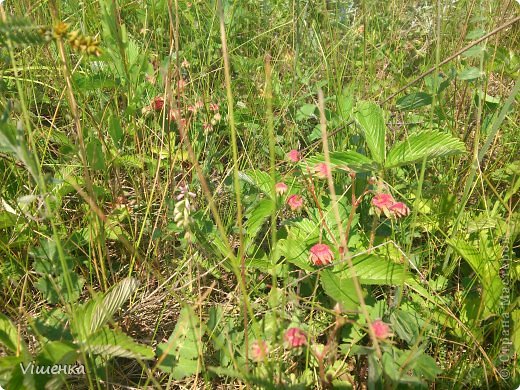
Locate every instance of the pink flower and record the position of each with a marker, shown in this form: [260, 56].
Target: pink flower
[295, 202]
[321, 254]
[381, 329]
[399, 209]
[259, 350]
[294, 155]
[295, 337]
[322, 170]
[158, 103]
[280, 188]
[382, 201]
[213, 107]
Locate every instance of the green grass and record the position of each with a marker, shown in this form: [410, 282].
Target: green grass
[108, 261]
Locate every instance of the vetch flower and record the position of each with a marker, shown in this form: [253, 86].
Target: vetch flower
[322, 170]
[295, 202]
[259, 350]
[321, 254]
[399, 209]
[280, 188]
[381, 329]
[295, 337]
[294, 155]
[213, 107]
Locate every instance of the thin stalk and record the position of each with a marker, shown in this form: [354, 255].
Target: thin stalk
[334, 202]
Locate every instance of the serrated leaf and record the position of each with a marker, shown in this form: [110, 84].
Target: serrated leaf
[259, 179]
[112, 301]
[369, 117]
[347, 160]
[180, 355]
[429, 143]
[111, 343]
[413, 101]
[375, 270]
[341, 289]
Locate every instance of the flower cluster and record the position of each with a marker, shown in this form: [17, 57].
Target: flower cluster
[381, 329]
[386, 203]
[182, 209]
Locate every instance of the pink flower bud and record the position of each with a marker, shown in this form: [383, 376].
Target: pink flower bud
[295, 202]
[259, 350]
[280, 188]
[295, 337]
[158, 103]
[322, 170]
[381, 329]
[321, 254]
[399, 209]
[294, 155]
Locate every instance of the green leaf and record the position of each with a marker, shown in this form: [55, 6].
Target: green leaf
[112, 301]
[112, 343]
[369, 117]
[413, 101]
[115, 130]
[347, 160]
[258, 215]
[429, 143]
[259, 179]
[180, 355]
[95, 156]
[341, 289]
[486, 265]
[375, 270]
[469, 74]
[305, 112]
[9, 336]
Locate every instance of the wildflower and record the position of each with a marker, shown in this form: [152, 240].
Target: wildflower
[381, 329]
[382, 201]
[199, 104]
[295, 202]
[185, 64]
[321, 254]
[217, 117]
[294, 155]
[213, 107]
[295, 337]
[280, 188]
[322, 170]
[158, 103]
[207, 126]
[391, 208]
[259, 350]
[399, 209]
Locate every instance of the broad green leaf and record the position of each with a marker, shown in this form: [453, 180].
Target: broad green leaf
[9, 336]
[112, 301]
[347, 160]
[413, 101]
[95, 155]
[259, 179]
[429, 143]
[180, 355]
[258, 215]
[515, 330]
[369, 117]
[341, 289]
[306, 111]
[375, 270]
[111, 343]
[469, 74]
[59, 352]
